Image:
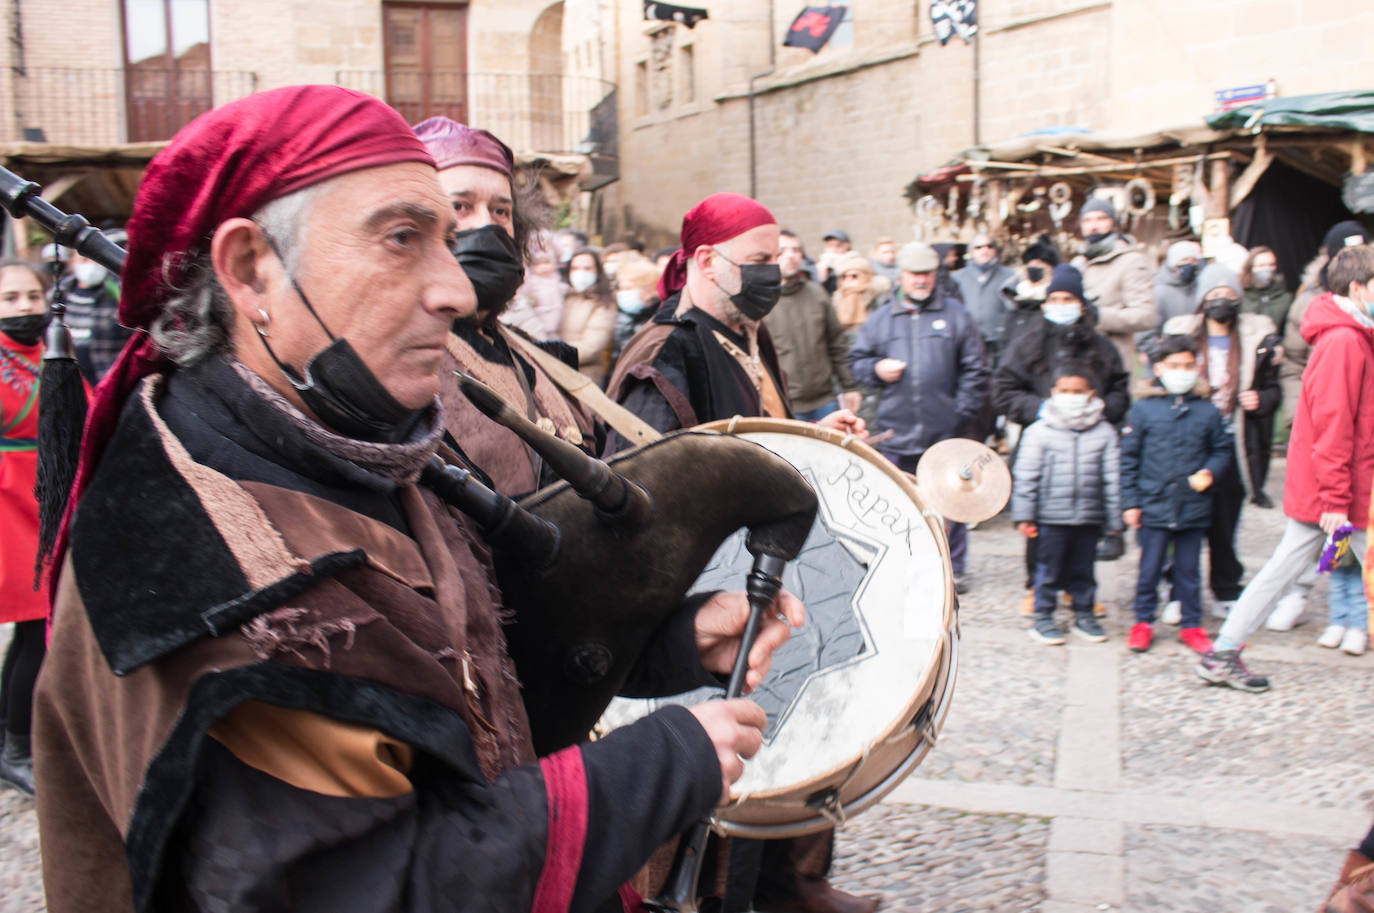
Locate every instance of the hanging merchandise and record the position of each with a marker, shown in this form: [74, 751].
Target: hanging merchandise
[954, 17]
[813, 27]
[683, 15]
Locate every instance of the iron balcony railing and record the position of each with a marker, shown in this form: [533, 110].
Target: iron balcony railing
[101, 107]
[530, 112]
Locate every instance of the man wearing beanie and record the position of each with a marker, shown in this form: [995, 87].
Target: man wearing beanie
[1116, 278]
[1175, 288]
[924, 353]
[1037, 263]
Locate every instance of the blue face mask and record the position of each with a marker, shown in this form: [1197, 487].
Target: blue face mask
[1062, 314]
[629, 302]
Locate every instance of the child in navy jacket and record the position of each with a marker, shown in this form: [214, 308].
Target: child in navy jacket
[1173, 446]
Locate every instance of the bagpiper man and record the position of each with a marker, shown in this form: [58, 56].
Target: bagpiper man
[277, 675]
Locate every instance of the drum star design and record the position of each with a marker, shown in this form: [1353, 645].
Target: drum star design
[828, 577]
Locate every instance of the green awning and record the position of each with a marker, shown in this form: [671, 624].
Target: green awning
[1337, 110]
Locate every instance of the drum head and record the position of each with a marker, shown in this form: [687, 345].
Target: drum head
[879, 599]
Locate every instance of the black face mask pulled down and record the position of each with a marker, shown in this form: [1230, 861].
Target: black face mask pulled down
[343, 393]
[759, 289]
[1223, 310]
[25, 329]
[492, 262]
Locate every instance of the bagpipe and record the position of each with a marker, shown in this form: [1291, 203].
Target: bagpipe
[594, 566]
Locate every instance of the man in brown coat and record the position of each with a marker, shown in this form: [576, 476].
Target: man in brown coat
[277, 675]
[1116, 279]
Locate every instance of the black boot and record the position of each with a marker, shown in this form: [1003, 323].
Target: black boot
[16, 764]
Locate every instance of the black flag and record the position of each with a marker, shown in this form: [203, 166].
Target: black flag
[687, 15]
[954, 17]
[813, 27]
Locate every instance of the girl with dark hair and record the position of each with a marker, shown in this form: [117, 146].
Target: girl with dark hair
[1262, 288]
[588, 321]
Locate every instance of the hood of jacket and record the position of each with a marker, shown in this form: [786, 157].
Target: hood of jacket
[1324, 314]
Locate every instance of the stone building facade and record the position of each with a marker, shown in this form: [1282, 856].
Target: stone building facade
[93, 72]
[840, 133]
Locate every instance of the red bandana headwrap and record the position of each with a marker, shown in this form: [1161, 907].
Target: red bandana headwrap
[228, 163]
[452, 143]
[719, 217]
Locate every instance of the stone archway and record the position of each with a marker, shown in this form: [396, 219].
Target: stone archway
[546, 81]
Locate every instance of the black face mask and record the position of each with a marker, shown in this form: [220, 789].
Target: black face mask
[492, 262]
[1187, 272]
[25, 329]
[1035, 273]
[760, 286]
[1223, 310]
[759, 289]
[342, 391]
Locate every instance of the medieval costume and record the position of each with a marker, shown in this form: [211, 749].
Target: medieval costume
[493, 352]
[277, 675]
[684, 368]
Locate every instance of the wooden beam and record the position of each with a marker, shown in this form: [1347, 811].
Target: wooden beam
[1217, 193]
[1252, 173]
[1358, 161]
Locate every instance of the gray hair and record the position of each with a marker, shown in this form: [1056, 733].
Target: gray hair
[197, 317]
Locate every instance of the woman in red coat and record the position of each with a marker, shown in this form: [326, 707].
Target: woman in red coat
[23, 315]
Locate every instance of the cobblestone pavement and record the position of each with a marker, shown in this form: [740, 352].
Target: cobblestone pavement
[1087, 778]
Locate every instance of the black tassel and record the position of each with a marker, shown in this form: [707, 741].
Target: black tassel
[61, 417]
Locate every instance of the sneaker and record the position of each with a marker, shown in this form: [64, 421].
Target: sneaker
[1086, 627]
[961, 583]
[1354, 641]
[1141, 635]
[1195, 639]
[1224, 667]
[1046, 631]
[1028, 604]
[1331, 638]
[1222, 608]
[1287, 614]
[1173, 612]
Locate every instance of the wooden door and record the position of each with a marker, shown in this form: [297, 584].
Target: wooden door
[426, 60]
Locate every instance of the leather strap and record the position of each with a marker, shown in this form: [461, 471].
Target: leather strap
[630, 426]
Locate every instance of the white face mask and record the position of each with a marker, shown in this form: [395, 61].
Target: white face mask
[88, 274]
[1062, 314]
[628, 300]
[1178, 381]
[582, 279]
[1070, 405]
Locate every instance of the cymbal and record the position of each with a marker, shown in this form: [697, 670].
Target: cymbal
[963, 480]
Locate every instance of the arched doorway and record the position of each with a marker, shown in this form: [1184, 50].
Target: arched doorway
[546, 81]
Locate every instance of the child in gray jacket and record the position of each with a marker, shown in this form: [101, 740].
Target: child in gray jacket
[1066, 488]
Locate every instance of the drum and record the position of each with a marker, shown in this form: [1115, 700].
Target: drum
[857, 696]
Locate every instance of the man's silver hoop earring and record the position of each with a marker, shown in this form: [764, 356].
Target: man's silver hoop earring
[262, 327]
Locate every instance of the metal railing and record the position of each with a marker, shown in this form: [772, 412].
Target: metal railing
[530, 112]
[101, 107]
